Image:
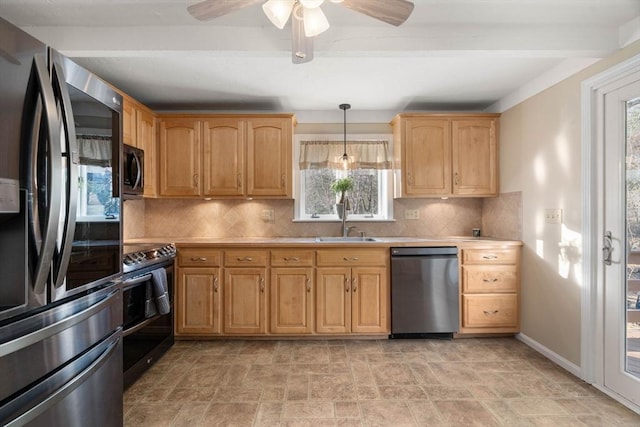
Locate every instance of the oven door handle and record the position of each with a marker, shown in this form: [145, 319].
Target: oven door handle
[140, 325]
[130, 283]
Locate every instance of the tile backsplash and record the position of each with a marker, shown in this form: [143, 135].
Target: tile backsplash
[184, 218]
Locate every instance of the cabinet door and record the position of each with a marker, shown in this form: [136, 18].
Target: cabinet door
[333, 300]
[223, 157]
[128, 122]
[475, 157]
[180, 157]
[198, 301]
[291, 291]
[245, 301]
[269, 143]
[426, 157]
[369, 294]
[146, 139]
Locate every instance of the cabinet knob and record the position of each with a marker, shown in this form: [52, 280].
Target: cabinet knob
[195, 180]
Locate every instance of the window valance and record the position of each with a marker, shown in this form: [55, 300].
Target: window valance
[94, 150]
[328, 154]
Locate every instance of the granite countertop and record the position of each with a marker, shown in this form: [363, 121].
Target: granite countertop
[460, 241]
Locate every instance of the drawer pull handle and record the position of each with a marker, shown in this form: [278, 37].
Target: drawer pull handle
[354, 258]
[308, 284]
[490, 280]
[215, 283]
[245, 259]
[293, 258]
[346, 284]
[489, 312]
[490, 256]
[199, 259]
[261, 284]
[354, 281]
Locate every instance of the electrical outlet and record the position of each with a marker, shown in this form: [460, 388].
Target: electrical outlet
[411, 214]
[267, 215]
[553, 216]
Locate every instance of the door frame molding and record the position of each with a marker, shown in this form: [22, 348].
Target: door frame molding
[593, 91]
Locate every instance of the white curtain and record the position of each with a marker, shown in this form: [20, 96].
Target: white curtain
[328, 154]
[94, 150]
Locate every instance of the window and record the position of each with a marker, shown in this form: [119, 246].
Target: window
[319, 166]
[95, 180]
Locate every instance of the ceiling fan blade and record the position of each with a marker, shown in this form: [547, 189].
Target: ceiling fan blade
[209, 9]
[393, 12]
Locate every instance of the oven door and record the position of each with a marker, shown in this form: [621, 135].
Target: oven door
[147, 335]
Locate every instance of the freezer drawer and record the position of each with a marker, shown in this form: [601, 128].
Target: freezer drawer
[85, 392]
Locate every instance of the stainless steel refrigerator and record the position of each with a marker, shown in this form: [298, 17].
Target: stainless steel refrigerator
[60, 239]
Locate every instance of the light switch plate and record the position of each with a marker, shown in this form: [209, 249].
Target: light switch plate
[553, 216]
[411, 214]
[267, 215]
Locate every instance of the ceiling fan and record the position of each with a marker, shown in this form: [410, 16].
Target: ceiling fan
[308, 20]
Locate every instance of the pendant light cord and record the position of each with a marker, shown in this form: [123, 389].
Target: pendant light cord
[344, 108]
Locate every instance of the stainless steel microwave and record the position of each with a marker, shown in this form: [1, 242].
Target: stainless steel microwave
[132, 172]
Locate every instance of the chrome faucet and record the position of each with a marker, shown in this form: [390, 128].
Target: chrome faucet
[346, 229]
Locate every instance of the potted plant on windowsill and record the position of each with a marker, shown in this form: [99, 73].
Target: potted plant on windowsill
[341, 186]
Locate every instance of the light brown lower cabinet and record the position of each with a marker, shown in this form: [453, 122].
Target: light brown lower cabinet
[291, 295]
[198, 301]
[490, 285]
[245, 300]
[352, 300]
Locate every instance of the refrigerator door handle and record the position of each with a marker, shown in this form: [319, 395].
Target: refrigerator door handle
[60, 87]
[68, 387]
[48, 245]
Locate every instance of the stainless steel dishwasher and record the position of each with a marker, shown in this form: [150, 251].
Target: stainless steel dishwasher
[424, 292]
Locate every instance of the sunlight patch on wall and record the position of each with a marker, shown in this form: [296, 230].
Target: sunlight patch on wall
[563, 153]
[539, 169]
[540, 248]
[570, 256]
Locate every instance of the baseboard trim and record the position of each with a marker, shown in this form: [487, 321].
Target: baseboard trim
[553, 356]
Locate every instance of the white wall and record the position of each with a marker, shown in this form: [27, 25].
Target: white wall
[540, 155]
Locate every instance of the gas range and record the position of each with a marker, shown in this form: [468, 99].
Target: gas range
[138, 256]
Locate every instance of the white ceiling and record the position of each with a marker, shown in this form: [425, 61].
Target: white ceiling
[449, 55]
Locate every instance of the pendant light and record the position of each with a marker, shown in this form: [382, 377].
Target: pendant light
[345, 156]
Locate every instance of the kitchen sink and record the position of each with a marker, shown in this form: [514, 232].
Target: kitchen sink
[346, 239]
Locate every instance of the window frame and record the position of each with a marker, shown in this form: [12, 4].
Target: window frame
[385, 177]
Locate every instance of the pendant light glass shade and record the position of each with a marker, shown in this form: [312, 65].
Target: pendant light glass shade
[311, 4]
[345, 156]
[278, 11]
[315, 22]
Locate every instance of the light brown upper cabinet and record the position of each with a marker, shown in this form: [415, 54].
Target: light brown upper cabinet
[139, 130]
[240, 155]
[442, 155]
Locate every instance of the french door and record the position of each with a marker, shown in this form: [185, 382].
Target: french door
[621, 240]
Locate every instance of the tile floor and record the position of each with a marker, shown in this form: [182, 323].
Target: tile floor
[471, 382]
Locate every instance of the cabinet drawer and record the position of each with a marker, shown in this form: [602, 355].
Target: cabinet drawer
[245, 258]
[489, 256]
[489, 278]
[291, 258]
[490, 311]
[352, 257]
[198, 257]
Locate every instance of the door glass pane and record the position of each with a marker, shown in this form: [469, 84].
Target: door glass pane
[633, 237]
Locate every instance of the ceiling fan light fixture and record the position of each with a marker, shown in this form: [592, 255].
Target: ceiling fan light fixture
[311, 4]
[278, 11]
[315, 22]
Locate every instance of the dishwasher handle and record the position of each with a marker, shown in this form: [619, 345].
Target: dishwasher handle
[424, 251]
